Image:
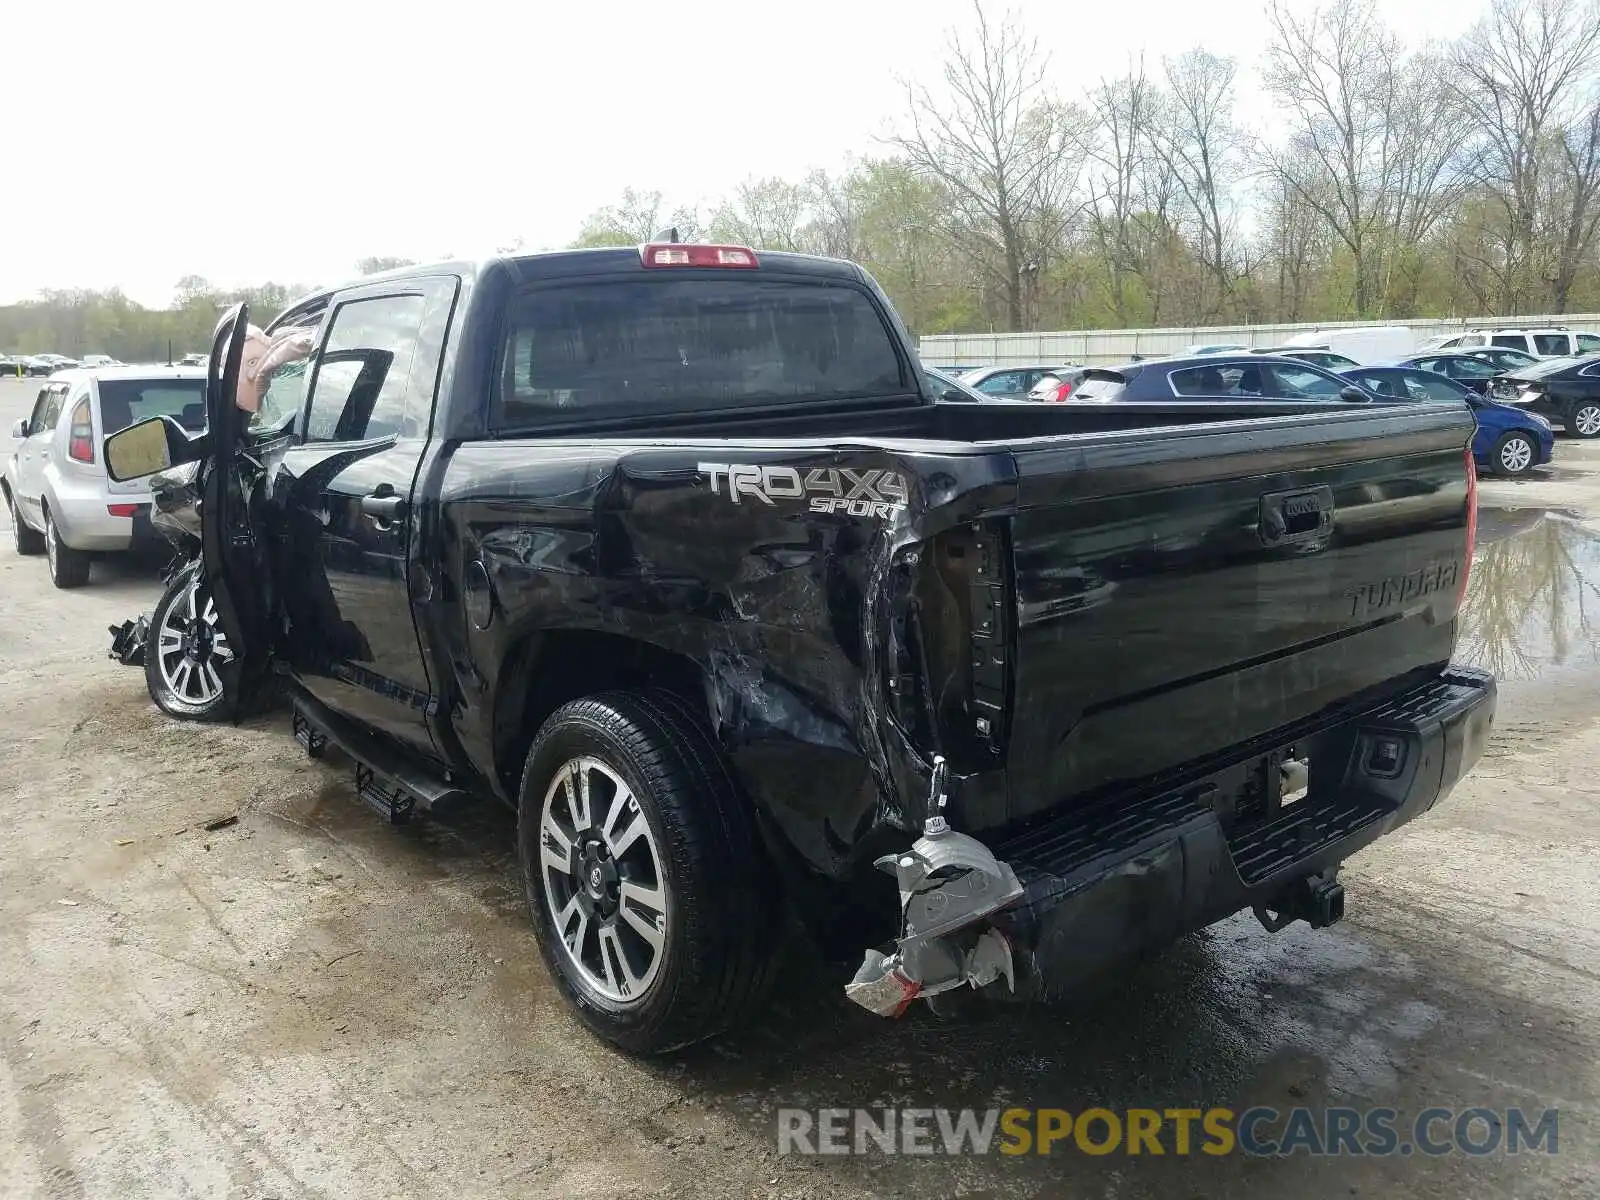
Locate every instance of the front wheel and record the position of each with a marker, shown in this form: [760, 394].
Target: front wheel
[188, 663]
[1514, 455]
[651, 903]
[1583, 419]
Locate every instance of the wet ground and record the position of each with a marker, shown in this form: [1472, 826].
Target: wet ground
[306, 1003]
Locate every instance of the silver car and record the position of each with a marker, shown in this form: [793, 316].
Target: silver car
[62, 502]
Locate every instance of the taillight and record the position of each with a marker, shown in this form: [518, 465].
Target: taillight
[1063, 392]
[80, 438]
[1472, 526]
[673, 255]
[122, 510]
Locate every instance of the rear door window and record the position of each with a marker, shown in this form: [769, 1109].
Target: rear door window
[1588, 343]
[1469, 368]
[1302, 383]
[641, 347]
[1424, 386]
[48, 409]
[1558, 344]
[1005, 383]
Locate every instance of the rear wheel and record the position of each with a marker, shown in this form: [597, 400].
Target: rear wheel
[27, 539]
[1583, 419]
[188, 663]
[1514, 455]
[652, 906]
[69, 568]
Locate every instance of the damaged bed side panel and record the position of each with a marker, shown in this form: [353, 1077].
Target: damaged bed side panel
[791, 574]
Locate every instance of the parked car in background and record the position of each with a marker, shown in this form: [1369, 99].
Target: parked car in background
[1510, 441]
[1503, 358]
[1362, 344]
[1243, 377]
[1326, 359]
[1471, 372]
[1562, 389]
[1008, 382]
[49, 364]
[62, 502]
[1554, 342]
[948, 388]
[1058, 386]
[1213, 348]
[98, 360]
[192, 360]
[13, 365]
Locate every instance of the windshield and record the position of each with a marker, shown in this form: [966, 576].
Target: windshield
[125, 402]
[685, 345]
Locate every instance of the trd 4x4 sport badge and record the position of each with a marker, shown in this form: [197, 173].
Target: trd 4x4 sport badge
[870, 493]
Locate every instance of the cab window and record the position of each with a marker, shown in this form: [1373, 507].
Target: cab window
[1588, 343]
[361, 378]
[1552, 343]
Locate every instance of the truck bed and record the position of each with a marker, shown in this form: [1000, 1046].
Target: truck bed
[1071, 598]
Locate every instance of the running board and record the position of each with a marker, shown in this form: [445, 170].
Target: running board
[394, 788]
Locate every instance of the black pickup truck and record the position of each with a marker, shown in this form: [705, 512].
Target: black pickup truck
[673, 550]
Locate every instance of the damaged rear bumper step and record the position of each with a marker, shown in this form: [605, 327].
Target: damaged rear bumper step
[1126, 875]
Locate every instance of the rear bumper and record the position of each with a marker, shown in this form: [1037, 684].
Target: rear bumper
[1127, 876]
[86, 523]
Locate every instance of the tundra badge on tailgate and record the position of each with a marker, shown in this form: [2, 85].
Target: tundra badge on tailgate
[870, 493]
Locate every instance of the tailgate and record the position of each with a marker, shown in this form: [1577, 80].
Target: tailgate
[1180, 592]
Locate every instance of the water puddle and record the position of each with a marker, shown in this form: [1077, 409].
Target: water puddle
[1533, 599]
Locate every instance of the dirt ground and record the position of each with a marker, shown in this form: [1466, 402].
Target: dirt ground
[308, 1003]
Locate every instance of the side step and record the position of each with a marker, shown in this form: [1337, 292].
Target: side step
[391, 785]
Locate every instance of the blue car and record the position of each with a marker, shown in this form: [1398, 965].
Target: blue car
[1510, 441]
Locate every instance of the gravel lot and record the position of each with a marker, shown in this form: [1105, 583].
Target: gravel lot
[309, 1003]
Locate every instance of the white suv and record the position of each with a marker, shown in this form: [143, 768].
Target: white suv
[55, 483]
[1541, 343]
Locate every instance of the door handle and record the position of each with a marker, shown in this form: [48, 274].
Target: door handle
[384, 506]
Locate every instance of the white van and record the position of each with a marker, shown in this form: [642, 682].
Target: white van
[1366, 345]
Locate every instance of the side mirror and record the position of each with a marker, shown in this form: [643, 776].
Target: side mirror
[1354, 395]
[20, 429]
[148, 447]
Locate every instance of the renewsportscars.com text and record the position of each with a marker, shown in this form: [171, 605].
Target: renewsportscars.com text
[1257, 1132]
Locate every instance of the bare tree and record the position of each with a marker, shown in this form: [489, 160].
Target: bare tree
[768, 214]
[1370, 149]
[1132, 190]
[1203, 149]
[635, 218]
[1007, 157]
[1525, 81]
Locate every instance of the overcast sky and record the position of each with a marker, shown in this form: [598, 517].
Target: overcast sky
[254, 142]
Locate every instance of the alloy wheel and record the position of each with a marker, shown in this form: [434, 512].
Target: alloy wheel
[601, 871]
[1587, 420]
[1516, 455]
[191, 647]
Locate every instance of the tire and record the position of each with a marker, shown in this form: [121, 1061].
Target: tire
[69, 568]
[714, 909]
[1514, 455]
[27, 539]
[188, 665]
[1583, 419]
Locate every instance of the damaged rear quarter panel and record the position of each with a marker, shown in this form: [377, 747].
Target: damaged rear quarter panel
[776, 597]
